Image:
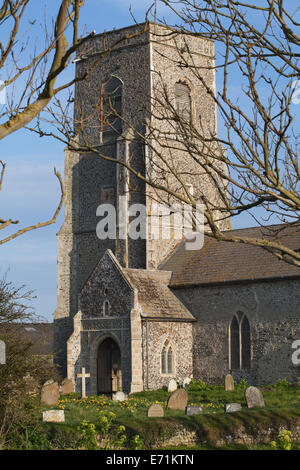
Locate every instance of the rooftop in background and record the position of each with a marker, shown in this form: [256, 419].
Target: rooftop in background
[40, 335]
[226, 262]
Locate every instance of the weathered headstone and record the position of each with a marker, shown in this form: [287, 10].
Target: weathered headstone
[229, 383]
[67, 386]
[186, 382]
[2, 352]
[254, 397]
[193, 410]
[172, 385]
[155, 411]
[49, 382]
[232, 407]
[119, 396]
[178, 400]
[50, 393]
[54, 416]
[31, 385]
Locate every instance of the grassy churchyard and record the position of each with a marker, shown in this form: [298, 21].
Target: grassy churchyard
[97, 422]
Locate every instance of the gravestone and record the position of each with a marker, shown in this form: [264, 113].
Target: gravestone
[119, 396]
[178, 400]
[186, 382]
[254, 397]
[50, 393]
[193, 410]
[155, 411]
[229, 383]
[67, 386]
[31, 385]
[172, 385]
[232, 407]
[54, 416]
[2, 352]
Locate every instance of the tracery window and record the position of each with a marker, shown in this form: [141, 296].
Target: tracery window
[167, 358]
[239, 342]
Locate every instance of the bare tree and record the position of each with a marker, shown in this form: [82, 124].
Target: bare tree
[254, 166]
[37, 76]
[257, 42]
[31, 83]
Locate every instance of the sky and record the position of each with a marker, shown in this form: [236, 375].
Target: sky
[31, 192]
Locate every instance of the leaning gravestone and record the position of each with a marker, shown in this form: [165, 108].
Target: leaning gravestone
[172, 385]
[50, 393]
[232, 407]
[155, 411]
[229, 383]
[54, 416]
[254, 397]
[67, 386]
[193, 410]
[178, 400]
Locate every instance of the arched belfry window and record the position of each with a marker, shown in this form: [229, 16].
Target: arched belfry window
[183, 100]
[239, 342]
[167, 358]
[111, 110]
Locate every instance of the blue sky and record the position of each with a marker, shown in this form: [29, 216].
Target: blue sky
[31, 191]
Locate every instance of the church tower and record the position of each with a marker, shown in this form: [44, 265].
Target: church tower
[123, 99]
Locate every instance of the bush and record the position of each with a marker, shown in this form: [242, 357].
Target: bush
[284, 441]
[282, 383]
[112, 436]
[88, 434]
[242, 385]
[21, 364]
[197, 385]
[24, 431]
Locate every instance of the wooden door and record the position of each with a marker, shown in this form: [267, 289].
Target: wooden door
[108, 367]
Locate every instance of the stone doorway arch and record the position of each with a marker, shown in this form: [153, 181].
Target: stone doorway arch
[109, 371]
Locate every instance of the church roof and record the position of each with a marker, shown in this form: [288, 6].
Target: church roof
[155, 297]
[221, 262]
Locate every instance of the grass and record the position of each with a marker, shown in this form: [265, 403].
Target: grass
[282, 410]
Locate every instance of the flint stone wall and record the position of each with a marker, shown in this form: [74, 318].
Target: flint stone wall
[154, 335]
[272, 309]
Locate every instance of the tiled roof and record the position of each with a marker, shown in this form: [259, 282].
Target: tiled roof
[40, 335]
[219, 262]
[155, 297]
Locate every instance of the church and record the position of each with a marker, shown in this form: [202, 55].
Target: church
[136, 313]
